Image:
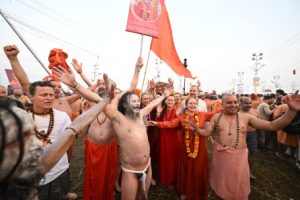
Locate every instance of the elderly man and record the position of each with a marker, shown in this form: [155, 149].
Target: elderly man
[230, 178]
[130, 131]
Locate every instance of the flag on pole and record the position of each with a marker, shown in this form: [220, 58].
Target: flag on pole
[164, 47]
[144, 17]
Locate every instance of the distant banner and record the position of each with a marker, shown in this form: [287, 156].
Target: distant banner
[144, 17]
[256, 81]
[13, 81]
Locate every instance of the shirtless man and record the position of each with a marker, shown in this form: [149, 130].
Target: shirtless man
[130, 131]
[230, 177]
[251, 138]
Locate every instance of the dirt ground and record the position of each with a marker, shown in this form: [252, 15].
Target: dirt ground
[276, 178]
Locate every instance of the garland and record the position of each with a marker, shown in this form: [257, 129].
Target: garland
[191, 154]
[42, 135]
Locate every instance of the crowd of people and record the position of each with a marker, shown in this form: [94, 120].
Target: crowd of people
[134, 139]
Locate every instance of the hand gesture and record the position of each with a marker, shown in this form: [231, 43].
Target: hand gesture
[77, 66]
[293, 101]
[139, 63]
[191, 125]
[11, 51]
[168, 91]
[151, 123]
[109, 87]
[67, 77]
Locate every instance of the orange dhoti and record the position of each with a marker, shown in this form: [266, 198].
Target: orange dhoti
[100, 171]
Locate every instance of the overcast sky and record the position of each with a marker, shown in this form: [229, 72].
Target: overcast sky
[218, 37]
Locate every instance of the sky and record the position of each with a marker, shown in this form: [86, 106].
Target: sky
[218, 38]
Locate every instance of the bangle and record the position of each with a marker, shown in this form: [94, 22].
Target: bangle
[73, 129]
[79, 71]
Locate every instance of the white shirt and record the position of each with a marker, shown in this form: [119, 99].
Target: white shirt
[61, 121]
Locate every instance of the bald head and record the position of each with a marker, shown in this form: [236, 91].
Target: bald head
[245, 103]
[230, 104]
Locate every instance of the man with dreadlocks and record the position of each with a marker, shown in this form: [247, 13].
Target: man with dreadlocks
[130, 131]
[23, 160]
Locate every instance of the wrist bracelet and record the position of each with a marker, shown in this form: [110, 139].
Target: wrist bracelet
[73, 129]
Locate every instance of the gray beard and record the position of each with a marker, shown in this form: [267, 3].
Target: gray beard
[132, 115]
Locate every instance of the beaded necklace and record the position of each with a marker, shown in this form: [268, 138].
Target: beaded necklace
[42, 135]
[237, 129]
[100, 123]
[187, 131]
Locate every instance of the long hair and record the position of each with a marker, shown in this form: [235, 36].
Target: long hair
[124, 102]
[14, 122]
[6, 107]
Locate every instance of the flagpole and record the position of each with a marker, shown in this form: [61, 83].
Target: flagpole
[146, 69]
[142, 41]
[25, 43]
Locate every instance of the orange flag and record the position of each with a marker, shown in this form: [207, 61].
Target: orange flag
[164, 47]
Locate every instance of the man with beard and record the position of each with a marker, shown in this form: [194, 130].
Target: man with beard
[130, 131]
[230, 177]
[20, 176]
[100, 145]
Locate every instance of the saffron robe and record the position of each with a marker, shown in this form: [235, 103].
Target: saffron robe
[100, 171]
[168, 151]
[192, 179]
[230, 175]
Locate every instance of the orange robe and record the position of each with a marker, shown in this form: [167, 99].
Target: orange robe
[100, 171]
[192, 173]
[169, 146]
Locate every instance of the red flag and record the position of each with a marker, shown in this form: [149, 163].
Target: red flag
[164, 47]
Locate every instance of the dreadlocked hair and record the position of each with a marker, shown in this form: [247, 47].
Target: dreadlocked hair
[7, 105]
[124, 101]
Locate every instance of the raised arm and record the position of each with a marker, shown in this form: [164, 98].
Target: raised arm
[78, 68]
[68, 78]
[11, 52]
[293, 103]
[76, 129]
[146, 110]
[138, 66]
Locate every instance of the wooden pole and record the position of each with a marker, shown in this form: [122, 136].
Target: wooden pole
[146, 69]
